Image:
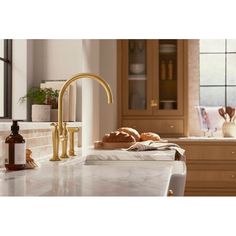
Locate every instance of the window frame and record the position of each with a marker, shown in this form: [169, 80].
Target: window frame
[7, 60]
[225, 85]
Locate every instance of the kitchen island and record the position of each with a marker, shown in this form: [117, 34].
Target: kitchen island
[72, 178]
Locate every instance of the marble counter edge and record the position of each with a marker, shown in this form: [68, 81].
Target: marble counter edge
[93, 173]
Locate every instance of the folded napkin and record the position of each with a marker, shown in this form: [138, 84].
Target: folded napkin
[159, 146]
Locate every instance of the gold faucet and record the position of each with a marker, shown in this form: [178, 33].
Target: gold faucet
[59, 132]
[71, 131]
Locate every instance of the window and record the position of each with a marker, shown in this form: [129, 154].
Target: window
[218, 72]
[5, 77]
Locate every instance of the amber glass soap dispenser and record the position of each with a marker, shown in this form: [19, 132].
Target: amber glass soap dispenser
[15, 149]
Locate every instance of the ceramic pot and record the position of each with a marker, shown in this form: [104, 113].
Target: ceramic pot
[229, 129]
[41, 113]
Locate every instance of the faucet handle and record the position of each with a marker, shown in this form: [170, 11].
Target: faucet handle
[55, 142]
[64, 140]
[72, 131]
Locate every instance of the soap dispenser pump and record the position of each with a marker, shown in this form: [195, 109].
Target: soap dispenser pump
[15, 149]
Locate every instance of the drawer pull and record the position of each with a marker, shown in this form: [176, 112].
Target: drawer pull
[233, 152]
[232, 176]
[172, 126]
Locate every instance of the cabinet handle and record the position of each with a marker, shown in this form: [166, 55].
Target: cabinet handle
[172, 126]
[232, 176]
[153, 103]
[233, 152]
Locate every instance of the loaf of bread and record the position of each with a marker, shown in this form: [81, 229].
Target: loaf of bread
[118, 136]
[149, 136]
[131, 131]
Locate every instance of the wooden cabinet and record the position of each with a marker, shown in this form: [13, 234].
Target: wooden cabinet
[211, 167]
[152, 86]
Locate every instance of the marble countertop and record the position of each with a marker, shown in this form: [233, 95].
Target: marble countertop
[123, 155]
[72, 178]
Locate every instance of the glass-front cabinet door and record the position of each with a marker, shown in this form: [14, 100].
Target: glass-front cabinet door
[152, 77]
[168, 77]
[137, 79]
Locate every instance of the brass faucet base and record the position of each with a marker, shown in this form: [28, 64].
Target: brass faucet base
[64, 157]
[72, 153]
[55, 159]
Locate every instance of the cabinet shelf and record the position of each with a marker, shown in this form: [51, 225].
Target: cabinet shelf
[137, 77]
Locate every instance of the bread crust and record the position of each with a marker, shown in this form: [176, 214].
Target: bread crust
[131, 131]
[118, 136]
[149, 136]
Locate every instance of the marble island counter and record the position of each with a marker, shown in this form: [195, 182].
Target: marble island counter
[72, 178]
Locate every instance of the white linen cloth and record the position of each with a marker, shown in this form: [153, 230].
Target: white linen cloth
[160, 146]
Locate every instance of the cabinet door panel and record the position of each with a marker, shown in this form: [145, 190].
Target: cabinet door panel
[136, 77]
[168, 76]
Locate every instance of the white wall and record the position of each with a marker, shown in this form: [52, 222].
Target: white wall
[58, 59]
[90, 93]
[1, 79]
[108, 70]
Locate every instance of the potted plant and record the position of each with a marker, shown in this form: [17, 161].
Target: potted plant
[52, 99]
[40, 109]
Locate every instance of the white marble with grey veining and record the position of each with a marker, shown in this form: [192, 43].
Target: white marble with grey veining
[123, 155]
[71, 178]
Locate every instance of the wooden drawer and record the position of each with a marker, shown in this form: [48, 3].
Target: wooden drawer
[168, 126]
[210, 152]
[175, 127]
[211, 179]
[140, 125]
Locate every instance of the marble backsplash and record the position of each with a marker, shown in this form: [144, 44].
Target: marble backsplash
[38, 140]
[37, 136]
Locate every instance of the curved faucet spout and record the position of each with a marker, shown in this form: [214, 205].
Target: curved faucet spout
[104, 84]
